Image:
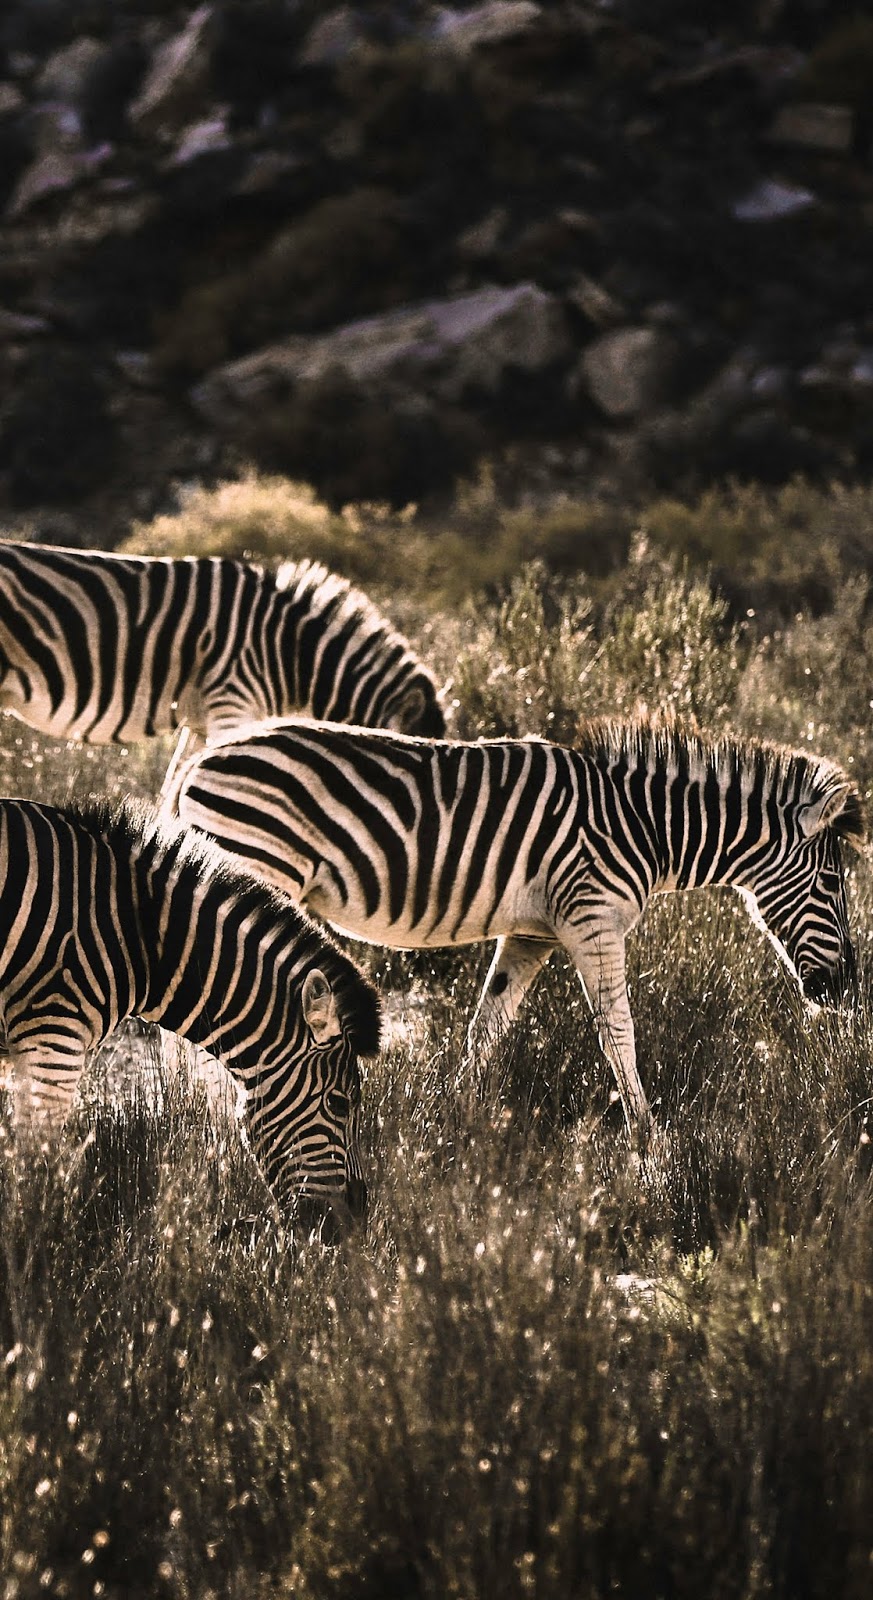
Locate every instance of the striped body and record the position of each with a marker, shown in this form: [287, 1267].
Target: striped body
[105, 647]
[411, 843]
[105, 916]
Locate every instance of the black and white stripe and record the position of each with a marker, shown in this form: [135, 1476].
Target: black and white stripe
[105, 647]
[411, 843]
[106, 915]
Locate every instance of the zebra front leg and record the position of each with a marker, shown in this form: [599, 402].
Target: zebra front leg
[186, 745]
[600, 962]
[515, 965]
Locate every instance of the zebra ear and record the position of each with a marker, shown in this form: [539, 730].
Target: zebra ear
[320, 1008]
[823, 812]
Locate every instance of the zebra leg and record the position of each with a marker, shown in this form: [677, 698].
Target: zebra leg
[515, 965]
[600, 962]
[186, 744]
[43, 1083]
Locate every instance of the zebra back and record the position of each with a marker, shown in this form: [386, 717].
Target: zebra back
[109, 647]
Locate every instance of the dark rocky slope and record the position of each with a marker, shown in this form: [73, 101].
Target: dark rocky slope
[367, 245]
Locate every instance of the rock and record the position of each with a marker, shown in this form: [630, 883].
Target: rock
[483, 238]
[332, 38]
[443, 348]
[52, 174]
[814, 126]
[17, 325]
[54, 125]
[487, 24]
[177, 82]
[595, 302]
[68, 73]
[138, 368]
[271, 171]
[201, 137]
[11, 99]
[629, 370]
[771, 199]
[861, 372]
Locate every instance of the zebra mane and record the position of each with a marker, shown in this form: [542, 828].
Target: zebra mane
[313, 579]
[139, 831]
[672, 744]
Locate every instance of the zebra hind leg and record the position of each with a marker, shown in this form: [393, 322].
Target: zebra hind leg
[42, 1084]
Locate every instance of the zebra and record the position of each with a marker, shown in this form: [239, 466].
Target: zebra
[412, 843]
[108, 913]
[104, 647]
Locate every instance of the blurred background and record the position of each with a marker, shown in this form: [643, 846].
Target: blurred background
[619, 249]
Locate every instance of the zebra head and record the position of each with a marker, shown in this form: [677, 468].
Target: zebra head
[308, 1136]
[798, 894]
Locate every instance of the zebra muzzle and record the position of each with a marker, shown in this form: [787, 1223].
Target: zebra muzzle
[827, 986]
[331, 1217]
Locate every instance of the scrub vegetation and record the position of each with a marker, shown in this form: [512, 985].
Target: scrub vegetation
[549, 1368]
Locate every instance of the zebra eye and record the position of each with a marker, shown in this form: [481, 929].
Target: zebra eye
[338, 1104]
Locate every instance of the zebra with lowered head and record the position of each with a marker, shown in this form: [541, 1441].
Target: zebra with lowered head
[412, 843]
[105, 647]
[107, 914]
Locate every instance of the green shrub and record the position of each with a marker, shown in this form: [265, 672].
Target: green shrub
[776, 549]
[546, 657]
[525, 671]
[770, 551]
[811, 682]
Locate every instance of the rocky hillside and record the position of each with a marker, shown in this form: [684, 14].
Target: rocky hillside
[367, 245]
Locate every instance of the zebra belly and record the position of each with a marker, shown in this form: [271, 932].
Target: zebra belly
[456, 925]
[91, 723]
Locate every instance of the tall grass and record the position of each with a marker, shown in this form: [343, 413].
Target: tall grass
[549, 1367]
[545, 1370]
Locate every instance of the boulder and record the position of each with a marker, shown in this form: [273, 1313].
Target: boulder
[176, 85]
[628, 371]
[332, 38]
[772, 199]
[53, 173]
[442, 348]
[68, 73]
[814, 126]
[486, 24]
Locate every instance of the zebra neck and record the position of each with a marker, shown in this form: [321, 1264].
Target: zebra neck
[197, 949]
[717, 828]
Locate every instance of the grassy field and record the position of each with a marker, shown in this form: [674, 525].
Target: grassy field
[547, 1369]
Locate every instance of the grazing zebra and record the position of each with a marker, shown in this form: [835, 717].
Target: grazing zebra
[410, 843]
[110, 914]
[113, 647]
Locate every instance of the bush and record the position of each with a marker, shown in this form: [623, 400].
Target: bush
[772, 550]
[547, 657]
